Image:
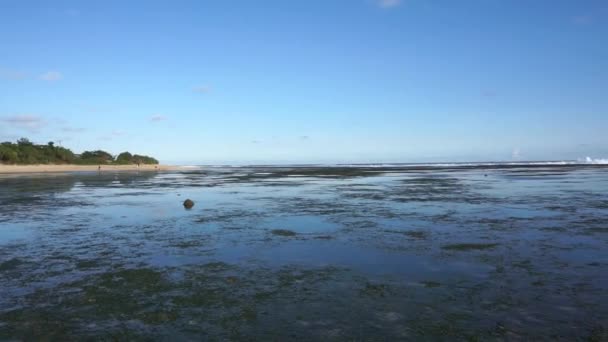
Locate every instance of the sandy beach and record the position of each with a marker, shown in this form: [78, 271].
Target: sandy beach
[41, 168]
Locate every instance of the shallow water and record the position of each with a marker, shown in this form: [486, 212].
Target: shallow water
[307, 253]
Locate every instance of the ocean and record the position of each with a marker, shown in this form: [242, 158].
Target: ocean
[486, 251]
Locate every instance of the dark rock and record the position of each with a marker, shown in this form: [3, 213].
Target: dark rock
[283, 232]
[188, 204]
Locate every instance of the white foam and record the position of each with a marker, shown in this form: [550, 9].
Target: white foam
[474, 164]
[595, 161]
[587, 160]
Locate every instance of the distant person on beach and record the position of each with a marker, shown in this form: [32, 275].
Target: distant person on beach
[99, 168]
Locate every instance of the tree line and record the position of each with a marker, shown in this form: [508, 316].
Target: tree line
[23, 151]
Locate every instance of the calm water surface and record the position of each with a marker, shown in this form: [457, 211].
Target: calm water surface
[307, 253]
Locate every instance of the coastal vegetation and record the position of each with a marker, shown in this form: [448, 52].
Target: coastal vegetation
[23, 151]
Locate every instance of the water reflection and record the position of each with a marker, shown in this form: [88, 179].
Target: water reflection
[329, 254]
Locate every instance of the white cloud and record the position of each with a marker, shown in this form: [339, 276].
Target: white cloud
[114, 134]
[388, 3]
[582, 19]
[72, 12]
[516, 154]
[72, 129]
[157, 118]
[8, 137]
[51, 76]
[488, 93]
[31, 123]
[201, 89]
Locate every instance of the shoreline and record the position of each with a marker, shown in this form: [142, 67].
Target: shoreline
[52, 168]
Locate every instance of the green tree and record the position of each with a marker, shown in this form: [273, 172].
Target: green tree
[96, 157]
[144, 159]
[8, 154]
[64, 155]
[124, 158]
[24, 142]
[26, 152]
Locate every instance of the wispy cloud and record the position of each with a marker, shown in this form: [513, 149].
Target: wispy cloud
[516, 154]
[304, 137]
[51, 76]
[388, 3]
[8, 74]
[112, 135]
[582, 19]
[31, 123]
[72, 12]
[201, 89]
[157, 118]
[72, 129]
[8, 137]
[98, 109]
[488, 93]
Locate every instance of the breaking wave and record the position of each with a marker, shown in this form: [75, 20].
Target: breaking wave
[596, 161]
[581, 161]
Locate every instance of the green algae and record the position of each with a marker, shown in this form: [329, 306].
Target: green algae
[376, 290]
[283, 232]
[188, 244]
[469, 246]
[414, 234]
[430, 284]
[602, 230]
[86, 264]
[10, 264]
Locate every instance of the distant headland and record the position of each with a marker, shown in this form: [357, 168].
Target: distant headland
[25, 152]
[26, 156]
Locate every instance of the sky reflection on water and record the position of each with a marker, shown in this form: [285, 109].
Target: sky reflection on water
[469, 250]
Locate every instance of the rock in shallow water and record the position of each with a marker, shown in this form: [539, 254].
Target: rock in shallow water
[188, 204]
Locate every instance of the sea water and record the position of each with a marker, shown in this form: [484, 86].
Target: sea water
[453, 252]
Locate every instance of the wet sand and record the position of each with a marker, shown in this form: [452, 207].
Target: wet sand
[42, 168]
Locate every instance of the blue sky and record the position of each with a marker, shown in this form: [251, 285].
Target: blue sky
[309, 81]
